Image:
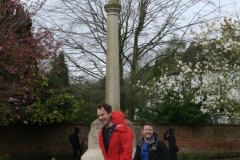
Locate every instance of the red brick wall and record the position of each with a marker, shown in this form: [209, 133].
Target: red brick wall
[218, 138]
[54, 138]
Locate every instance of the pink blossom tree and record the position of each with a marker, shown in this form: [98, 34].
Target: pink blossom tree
[22, 53]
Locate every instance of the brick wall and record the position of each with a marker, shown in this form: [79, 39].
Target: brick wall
[53, 139]
[218, 138]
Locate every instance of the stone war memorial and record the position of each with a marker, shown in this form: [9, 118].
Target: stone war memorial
[113, 9]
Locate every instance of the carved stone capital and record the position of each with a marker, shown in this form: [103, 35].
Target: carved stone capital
[112, 7]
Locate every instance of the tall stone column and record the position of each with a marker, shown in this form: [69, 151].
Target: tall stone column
[112, 71]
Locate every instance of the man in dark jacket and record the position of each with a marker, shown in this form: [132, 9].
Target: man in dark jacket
[172, 143]
[74, 140]
[149, 147]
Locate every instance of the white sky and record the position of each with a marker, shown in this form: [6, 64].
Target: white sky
[229, 7]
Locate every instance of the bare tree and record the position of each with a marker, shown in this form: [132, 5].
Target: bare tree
[145, 27]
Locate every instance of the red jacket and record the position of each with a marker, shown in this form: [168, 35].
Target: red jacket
[120, 145]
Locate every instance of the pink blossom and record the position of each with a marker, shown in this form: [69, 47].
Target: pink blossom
[29, 108]
[11, 99]
[26, 88]
[25, 96]
[26, 122]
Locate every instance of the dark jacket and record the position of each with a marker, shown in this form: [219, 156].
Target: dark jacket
[172, 143]
[75, 141]
[157, 150]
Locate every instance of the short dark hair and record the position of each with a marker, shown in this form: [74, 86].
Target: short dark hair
[76, 129]
[147, 124]
[106, 107]
[171, 131]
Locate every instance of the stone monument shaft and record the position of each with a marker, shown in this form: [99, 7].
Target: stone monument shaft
[112, 64]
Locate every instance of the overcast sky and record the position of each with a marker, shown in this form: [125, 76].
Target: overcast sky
[229, 7]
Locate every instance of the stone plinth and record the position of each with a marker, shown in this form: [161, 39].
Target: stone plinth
[94, 152]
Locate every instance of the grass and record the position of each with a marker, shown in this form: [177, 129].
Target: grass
[4, 157]
[208, 156]
[191, 156]
[181, 156]
[67, 156]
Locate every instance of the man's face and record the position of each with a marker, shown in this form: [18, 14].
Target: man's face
[104, 117]
[147, 132]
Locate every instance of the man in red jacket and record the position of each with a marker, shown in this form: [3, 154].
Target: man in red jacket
[115, 137]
